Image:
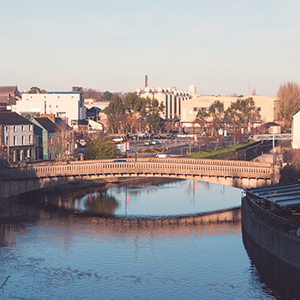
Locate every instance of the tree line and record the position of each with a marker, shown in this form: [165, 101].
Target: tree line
[134, 114]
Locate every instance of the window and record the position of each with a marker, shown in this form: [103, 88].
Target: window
[23, 128]
[15, 140]
[56, 106]
[30, 138]
[6, 139]
[15, 128]
[30, 127]
[50, 106]
[23, 139]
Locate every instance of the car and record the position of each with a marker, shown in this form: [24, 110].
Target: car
[122, 155]
[29, 159]
[119, 160]
[163, 155]
[118, 140]
[155, 142]
[154, 136]
[170, 138]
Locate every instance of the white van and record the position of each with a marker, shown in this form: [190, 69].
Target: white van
[164, 155]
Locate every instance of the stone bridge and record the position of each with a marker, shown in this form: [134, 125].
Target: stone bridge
[19, 179]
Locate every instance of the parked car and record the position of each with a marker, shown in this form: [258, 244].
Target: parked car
[29, 159]
[119, 160]
[118, 140]
[163, 155]
[147, 143]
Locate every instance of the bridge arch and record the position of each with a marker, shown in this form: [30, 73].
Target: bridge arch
[242, 174]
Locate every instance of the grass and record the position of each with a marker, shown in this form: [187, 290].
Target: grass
[208, 153]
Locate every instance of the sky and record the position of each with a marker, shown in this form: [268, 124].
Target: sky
[222, 47]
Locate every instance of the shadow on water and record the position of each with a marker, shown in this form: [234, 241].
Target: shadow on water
[282, 278]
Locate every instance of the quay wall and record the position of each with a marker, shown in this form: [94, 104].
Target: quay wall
[279, 240]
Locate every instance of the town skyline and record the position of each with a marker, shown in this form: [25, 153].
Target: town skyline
[222, 48]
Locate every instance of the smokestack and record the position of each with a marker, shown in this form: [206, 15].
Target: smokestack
[146, 81]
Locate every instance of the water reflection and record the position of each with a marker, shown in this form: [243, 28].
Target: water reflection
[62, 246]
[280, 279]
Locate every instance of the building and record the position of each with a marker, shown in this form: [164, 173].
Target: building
[9, 95]
[265, 106]
[68, 106]
[17, 136]
[185, 105]
[45, 131]
[170, 97]
[296, 131]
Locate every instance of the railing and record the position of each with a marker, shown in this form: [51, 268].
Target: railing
[142, 166]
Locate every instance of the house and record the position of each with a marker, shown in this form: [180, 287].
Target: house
[47, 132]
[55, 138]
[9, 95]
[17, 136]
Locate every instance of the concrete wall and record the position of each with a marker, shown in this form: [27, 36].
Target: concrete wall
[277, 242]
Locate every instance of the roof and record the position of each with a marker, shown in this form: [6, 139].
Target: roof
[7, 100]
[47, 124]
[284, 195]
[62, 124]
[12, 118]
[7, 89]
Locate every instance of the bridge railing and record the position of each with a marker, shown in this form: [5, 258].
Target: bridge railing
[185, 167]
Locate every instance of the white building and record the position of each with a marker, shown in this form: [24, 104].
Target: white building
[66, 105]
[296, 131]
[170, 97]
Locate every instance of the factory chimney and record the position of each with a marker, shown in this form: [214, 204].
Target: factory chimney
[146, 81]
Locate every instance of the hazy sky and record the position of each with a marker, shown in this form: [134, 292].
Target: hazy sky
[220, 46]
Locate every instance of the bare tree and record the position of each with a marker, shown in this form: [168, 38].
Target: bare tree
[289, 100]
[61, 143]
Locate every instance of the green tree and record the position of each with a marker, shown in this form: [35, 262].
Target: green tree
[289, 100]
[114, 109]
[107, 96]
[100, 148]
[154, 112]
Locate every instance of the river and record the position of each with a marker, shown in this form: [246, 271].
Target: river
[159, 241]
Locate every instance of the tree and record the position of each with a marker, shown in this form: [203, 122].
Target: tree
[91, 94]
[216, 111]
[36, 90]
[107, 96]
[154, 111]
[129, 101]
[100, 148]
[289, 100]
[61, 143]
[201, 118]
[114, 109]
[241, 112]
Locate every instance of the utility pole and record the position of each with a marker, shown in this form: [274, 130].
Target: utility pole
[8, 143]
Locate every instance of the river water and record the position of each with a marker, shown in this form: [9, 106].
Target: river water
[130, 242]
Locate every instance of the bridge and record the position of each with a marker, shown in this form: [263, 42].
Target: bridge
[243, 174]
